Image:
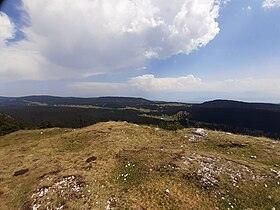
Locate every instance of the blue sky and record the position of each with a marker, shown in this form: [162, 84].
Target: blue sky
[192, 52]
[248, 39]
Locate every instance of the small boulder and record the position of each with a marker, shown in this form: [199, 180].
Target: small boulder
[91, 159]
[21, 172]
[200, 132]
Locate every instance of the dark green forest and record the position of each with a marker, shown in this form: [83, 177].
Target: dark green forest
[257, 119]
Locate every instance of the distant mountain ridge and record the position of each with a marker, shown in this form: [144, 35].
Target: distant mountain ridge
[239, 104]
[56, 100]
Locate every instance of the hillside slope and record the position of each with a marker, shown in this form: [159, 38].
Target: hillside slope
[117, 165]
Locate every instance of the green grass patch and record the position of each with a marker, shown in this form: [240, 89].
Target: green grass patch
[130, 172]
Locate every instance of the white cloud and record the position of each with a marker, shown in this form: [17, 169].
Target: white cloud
[81, 38]
[151, 54]
[271, 4]
[248, 8]
[191, 83]
[178, 88]
[7, 30]
[148, 82]
[226, 1]
[18, 60]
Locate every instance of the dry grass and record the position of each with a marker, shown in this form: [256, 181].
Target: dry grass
[138, 167]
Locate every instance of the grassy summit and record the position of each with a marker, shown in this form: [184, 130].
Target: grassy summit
[117, 165]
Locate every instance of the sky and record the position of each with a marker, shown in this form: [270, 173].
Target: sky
[188, 51]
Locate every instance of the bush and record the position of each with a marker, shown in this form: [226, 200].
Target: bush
[171, 126]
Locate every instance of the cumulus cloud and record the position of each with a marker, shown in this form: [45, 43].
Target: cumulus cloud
[83, 38]
[7, 29]
[271, 4]
[15, 61]
[169, 88]
[148, 82]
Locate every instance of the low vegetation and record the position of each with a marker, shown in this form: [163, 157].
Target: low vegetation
[9, 124]
[119, 165]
